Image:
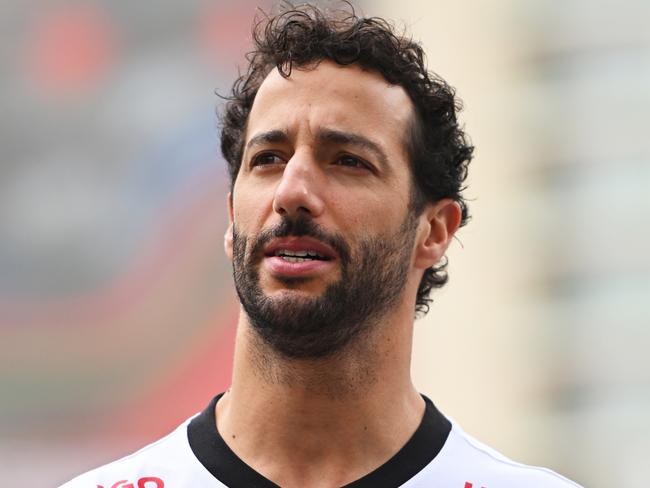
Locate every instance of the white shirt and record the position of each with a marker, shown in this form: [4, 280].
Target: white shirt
[440, 454]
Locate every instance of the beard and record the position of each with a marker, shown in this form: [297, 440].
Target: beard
[372, 280]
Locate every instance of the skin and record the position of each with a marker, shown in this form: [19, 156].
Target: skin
[328, 422]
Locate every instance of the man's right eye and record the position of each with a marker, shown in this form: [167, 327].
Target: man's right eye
[265, 159]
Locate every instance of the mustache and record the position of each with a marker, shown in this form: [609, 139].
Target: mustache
[302, 227]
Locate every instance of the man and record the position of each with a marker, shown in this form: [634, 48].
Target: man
[347, 164]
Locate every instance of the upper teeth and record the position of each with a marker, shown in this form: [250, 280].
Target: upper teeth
[298, 254]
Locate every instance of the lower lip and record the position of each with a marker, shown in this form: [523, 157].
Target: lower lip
[279, 266]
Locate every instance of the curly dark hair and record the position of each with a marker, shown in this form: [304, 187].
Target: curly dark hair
[302, 36]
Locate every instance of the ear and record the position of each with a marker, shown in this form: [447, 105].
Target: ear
[227, 238]
[439, 223]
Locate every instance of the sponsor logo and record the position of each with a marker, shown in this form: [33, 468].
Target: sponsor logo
[470, 485]
[146, 482]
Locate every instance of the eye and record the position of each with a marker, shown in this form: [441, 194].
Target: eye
[266, 159]
[351, 162]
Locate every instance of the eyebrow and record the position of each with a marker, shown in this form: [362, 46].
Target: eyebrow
[326, 136]
[270, 137]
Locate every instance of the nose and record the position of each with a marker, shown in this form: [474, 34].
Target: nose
[300, 189]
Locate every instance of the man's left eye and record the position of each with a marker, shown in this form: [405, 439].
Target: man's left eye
[351, 161]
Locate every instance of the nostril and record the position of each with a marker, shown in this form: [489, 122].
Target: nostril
[293, 197]
[280, 209]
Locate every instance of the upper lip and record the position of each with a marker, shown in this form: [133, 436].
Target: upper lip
[299, 244]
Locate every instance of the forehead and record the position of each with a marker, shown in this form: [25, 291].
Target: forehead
[332, 96]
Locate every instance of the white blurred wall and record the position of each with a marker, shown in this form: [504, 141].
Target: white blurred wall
[538, 345]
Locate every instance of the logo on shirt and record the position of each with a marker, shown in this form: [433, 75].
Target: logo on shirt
[147, 482]
[470, 485]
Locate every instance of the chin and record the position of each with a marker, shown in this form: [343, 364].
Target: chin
[292, 294]
[292, 285]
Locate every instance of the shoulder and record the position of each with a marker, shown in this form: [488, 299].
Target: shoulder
[166, 462]
[465, 462]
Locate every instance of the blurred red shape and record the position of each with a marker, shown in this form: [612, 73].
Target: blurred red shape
[70, 49]
[224, 31]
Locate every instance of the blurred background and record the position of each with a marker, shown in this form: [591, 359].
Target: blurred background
[116, 305]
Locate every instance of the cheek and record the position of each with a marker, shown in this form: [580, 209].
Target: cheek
[375, 214]
[250, 209]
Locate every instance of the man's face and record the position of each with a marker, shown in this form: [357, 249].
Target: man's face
[322, 232]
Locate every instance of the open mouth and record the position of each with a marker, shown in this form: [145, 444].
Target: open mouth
[299, 250]
[299, 256]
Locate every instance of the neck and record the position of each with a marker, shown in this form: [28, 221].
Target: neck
[340, 376]
[303, 422]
